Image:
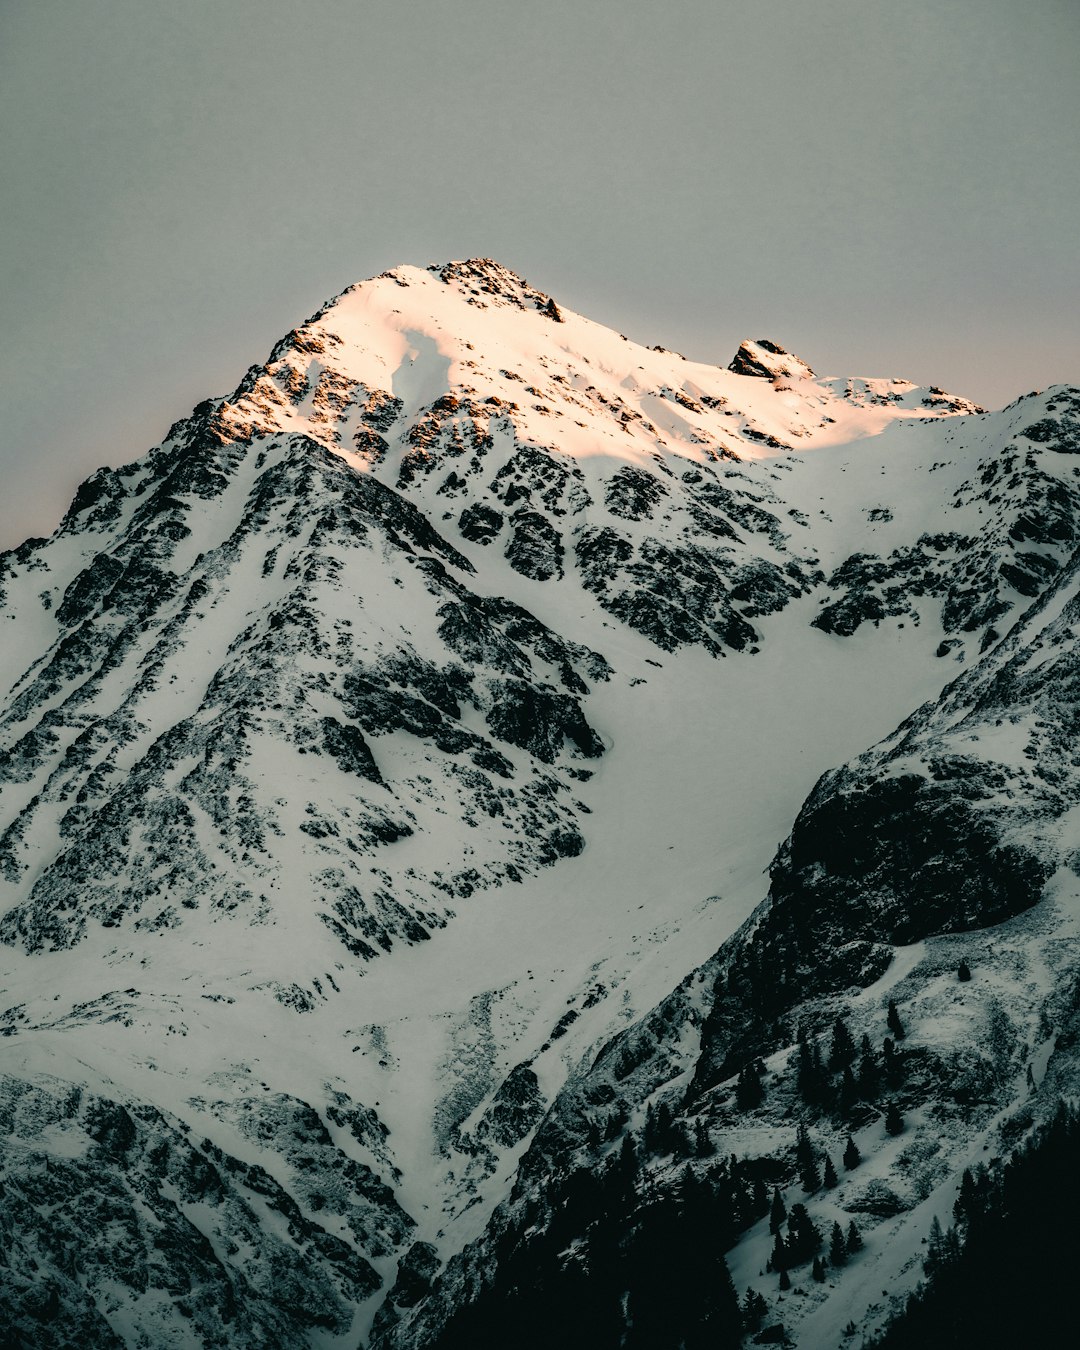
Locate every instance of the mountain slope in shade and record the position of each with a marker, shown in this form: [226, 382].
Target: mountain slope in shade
[413, 720]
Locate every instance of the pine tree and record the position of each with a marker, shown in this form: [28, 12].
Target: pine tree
[748, 1090]
[779, 1256]
[785, 1280]
[777, 1212]
[868, 1077]
[648, 1134]
[664, 1132]
[806, 1161]
[759, 1199]
[804, 1239]
[818, 1271]
[810, 1177]
[894, 1121]
[682, 1142]
[811, 1080]
[848, 1095]
[893, 1019]
[829, 1177]
[754, 1309]
[703, 1144]
[894, 1067]
[843, 1047]
[963, 972]
[932, 1262]
[852, 1156]
[837, 1247]
[854, 1239]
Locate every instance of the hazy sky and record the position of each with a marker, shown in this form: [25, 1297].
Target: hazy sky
[885, 186]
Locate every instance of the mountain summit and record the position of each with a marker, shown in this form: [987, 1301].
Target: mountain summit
[389, 764]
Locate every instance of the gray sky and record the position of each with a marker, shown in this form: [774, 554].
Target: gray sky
[888, 187]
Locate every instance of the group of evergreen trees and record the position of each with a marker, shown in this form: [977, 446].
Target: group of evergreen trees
[667, 1136]
[1000, 1275]
[850, 1075]
[607, 1259]
[804, 1240]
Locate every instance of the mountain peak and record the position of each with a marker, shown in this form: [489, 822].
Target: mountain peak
[484, 279]
[768, 360]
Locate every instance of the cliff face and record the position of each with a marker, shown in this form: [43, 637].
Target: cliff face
[382, 750]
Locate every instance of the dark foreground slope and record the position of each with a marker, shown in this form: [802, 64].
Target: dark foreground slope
[902, 1005]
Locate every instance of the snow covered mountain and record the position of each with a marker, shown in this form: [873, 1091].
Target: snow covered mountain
[390, 761]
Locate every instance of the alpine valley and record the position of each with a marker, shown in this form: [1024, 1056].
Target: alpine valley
[510, 837]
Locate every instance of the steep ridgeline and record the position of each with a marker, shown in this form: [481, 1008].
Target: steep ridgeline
[869, 1047]
[378, 750]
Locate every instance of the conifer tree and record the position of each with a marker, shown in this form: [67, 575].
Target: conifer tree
[894, 1121]
[804, 1239]
[843, 1047]
[854, 1239]
[810, 1177]
[811, 1080]
[754, 1309]
[703, 1144]
[963, 972]
[818, 1271]
[759, 1198]
[893, 1020]
[806, 1161]
[785, 1280]
[777, 1212]
[829, 1177]
[748, 1090]
[648, 1134]
[893, 1062]
[837, 1247]
[932, 1261]
[868, 1076]
[779, 1257]
[664, 1131]
[852, 1156]
[848, 1095]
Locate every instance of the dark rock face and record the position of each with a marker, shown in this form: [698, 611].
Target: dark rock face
[153, 1230]
[416, 1270]
[633, 494]
[516, 1108]
[1060, 433]
[540, 720]
[933, 859]
[766, 360]
[480, 523]
[535, 548]
[135, 852]
[1029, 534]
